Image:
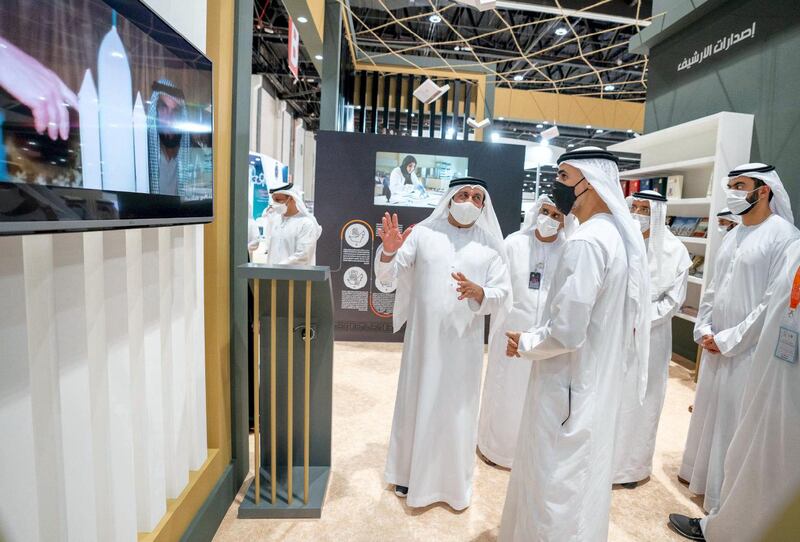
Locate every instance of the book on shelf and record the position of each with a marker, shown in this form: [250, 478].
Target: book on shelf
[696, 269]
[701, 230]
[633, 186]
[674, 188]
[684, 226]
[644, 184]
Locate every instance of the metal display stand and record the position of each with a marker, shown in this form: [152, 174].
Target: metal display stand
[290, 448]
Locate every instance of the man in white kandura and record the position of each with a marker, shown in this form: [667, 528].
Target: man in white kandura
[597, 311]
[291, 230]
[451, 271]
[761, 473]
[533, 253]
[669, 271]
[730, 319]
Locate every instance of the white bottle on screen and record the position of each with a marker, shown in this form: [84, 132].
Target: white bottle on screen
[140, 146]
[90, 133]
[116, 114]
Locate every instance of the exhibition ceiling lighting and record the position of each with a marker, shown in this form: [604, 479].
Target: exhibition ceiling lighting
[588, 126]
[318, 57]
[599, 131]
[435, 18]
[501, 118]
[609, 88]
[495, 137]
[518, 77]
[561, 31]
[540, 126]
[630, 131]
[302, 20]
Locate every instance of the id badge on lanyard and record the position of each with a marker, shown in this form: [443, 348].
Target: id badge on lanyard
[787, 347]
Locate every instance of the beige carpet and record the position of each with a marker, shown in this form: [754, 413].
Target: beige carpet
[360, 507]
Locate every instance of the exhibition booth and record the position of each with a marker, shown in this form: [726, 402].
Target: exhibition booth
[165, 376]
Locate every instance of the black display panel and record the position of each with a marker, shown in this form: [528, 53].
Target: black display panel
[350, 198]
[105, 118]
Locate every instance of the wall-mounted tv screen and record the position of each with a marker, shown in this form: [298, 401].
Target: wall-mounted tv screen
[105, 118]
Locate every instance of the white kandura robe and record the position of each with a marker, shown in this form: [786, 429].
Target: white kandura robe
[761, 467]
[435, 424]
[507, 378]
[732, 309]
[292, 240]
[560, 486]
[637, 424]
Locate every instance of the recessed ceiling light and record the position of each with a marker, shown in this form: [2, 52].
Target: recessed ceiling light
[570, 145]
[318, 57]
[588, 126]
[540, 125]
[630, 131]
[457, 48]
[599, 131]
[518, 78]
[609, 88]
[561, 31]
[435, 18]
[302, 20]
[501, 118]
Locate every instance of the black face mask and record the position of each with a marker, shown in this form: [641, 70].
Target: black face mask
[564, 196]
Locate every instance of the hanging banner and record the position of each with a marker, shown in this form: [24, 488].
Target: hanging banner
[294, 48]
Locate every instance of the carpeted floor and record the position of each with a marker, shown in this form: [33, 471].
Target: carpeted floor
[360, 507]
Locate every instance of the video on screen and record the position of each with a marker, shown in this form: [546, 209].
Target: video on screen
[90, 99]
[418, 180]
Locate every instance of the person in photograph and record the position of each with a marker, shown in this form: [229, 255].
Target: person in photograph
[290, 229]
[596, 321]
[669, 273]
[533, 254]
[451, 271]
[167, 140]
[403, 178]
[730, 318]
[38, 88]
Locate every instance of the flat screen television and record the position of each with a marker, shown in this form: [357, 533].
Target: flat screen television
[105, 118]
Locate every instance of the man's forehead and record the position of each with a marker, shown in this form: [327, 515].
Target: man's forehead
[641, 203]
[472, 190]
[739, 179]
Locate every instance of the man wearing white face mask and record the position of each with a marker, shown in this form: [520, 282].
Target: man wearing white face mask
[533, 253]
[451, 271]
[730, 319]
[291, 230]
[726, 221]
[669, 264]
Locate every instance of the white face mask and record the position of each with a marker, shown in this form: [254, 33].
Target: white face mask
[644, 222]
[464, 213]
[722, 229]
[546, 226]
[279, 208]
[737, 201]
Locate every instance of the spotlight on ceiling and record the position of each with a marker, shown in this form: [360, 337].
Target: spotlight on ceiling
[561, 31]
[599, 131]
[429, 91]
[570, 145]
[501, 118]
[518, 77]
[630, 131]
[466, 48]
[609, 88]
[588, 126]
[318, 57]
[435, 18]
[540, 126]
[302, 20]
[456, 48]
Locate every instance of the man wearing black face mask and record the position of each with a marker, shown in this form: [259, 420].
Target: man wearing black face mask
[168, 144]
[729, 322]
[560, 486]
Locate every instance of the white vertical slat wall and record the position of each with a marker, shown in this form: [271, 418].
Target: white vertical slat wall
[102, 380]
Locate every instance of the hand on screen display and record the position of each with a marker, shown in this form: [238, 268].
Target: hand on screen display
[27, 80]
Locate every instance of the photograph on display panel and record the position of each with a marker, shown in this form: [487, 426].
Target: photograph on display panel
[418, 180]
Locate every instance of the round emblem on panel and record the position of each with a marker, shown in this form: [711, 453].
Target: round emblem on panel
[355, 278]
[356, 235]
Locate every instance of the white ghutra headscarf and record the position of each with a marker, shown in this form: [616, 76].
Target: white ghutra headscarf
[780, 203]
[297, 195]
[667, 255]
[600, 169]
[487, 221]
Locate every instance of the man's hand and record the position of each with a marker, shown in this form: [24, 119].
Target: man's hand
[391, 236]
[467, 288]
[512, 348]
[709, 344]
